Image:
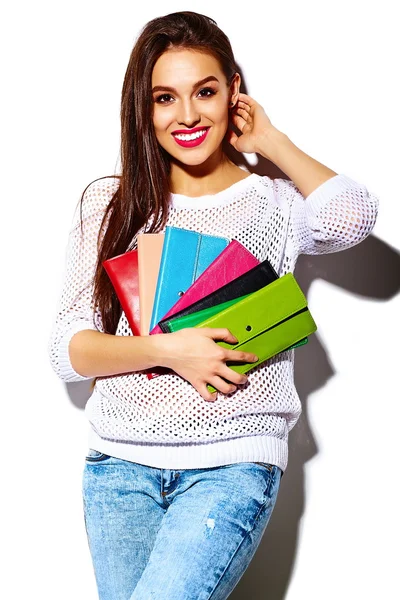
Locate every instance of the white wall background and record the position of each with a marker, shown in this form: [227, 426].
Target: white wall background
[327, 75]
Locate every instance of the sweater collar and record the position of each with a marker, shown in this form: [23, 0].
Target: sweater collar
[180, 201]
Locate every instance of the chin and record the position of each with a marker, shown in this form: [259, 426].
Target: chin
[189, 157]
[192, 156]
[192, 161]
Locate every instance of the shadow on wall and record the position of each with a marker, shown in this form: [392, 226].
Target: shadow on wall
[370, 269]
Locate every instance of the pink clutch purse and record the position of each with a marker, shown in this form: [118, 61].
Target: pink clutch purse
[229, 264]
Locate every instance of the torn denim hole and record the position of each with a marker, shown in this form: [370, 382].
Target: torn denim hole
[210, 526]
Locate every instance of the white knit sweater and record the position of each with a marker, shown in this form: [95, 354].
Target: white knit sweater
[164, 422]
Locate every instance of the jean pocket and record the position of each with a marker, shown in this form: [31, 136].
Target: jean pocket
[94, 456]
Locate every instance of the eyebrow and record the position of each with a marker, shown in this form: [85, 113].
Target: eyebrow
[166, 88]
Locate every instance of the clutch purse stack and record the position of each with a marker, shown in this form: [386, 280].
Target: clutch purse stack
[149, 280]
[186, 279]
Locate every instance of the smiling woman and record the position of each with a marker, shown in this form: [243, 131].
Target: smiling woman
[179, 484]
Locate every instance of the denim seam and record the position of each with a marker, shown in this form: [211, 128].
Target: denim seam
[272, 478]
[262, 507]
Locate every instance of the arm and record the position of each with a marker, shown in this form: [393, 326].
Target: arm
[96, 354]
[190, 352]
[75, 312]
[306, 173]
[259, 135]
[337, 215]
[328, 212]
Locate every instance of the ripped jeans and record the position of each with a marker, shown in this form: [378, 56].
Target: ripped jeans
[174, 535]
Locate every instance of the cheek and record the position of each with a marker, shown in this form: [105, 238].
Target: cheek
[161, 120]
[217, 113]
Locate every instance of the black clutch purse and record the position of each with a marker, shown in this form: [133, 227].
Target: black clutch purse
[251, 281]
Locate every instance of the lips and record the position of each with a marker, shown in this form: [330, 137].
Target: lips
[188, 138]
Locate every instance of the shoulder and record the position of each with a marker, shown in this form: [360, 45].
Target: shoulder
[96, 197]
[281, 192]
[99, 192]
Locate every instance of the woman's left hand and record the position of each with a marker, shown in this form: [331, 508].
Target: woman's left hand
[250, 118]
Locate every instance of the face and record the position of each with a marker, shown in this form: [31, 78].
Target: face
[191, 104]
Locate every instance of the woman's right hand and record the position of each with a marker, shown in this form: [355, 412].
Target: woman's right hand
[194, 355]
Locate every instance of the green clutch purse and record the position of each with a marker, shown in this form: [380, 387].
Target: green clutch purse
[265, 322]
[193, 319]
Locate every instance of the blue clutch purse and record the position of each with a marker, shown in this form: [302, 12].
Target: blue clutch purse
[185, 255]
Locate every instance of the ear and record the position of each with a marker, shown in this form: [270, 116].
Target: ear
[234, 90]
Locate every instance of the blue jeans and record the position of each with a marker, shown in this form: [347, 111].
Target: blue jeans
[174, 535]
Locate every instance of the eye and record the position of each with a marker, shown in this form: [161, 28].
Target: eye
[163, 99]
[207, 92]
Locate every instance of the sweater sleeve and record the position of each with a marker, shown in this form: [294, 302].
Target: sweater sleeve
[337, 215]
[75, 310]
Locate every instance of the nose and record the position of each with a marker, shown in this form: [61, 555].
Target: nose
[188, 114]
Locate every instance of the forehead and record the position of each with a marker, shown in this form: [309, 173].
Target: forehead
[180, 67]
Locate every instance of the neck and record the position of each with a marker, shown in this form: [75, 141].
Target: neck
[211, 177]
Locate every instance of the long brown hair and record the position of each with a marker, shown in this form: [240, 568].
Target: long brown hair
[143, 195]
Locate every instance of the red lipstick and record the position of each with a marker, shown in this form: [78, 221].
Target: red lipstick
[190, 143]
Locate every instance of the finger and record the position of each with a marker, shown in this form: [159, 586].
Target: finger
[243, 114]
[225, 387]
[239, 356]
[243, 125]
[245, 117]
[249, 110]
[232, 138]
[220, 334]
[238, 121]
[243, 106]
[245, 98]
[232, 376]
[205, 392]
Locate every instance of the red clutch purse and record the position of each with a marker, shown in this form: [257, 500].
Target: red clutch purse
[124, 275]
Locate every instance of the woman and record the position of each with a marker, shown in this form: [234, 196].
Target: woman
[179, 484]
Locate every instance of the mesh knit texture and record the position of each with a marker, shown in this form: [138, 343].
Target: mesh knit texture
[274, 221]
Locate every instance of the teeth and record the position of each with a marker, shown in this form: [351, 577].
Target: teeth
[185, 137]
